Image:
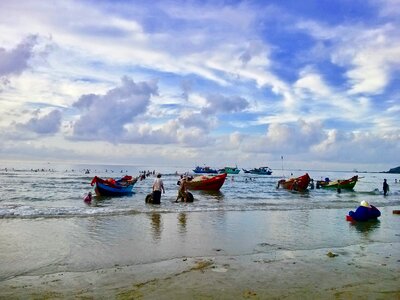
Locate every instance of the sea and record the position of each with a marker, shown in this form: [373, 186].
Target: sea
[47, 228]
[57, 191]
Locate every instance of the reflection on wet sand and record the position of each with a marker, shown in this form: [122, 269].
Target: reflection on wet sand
[217, 195]
[182, 218]
[156, 225]
[366, 227]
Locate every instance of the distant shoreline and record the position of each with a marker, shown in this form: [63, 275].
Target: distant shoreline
[10, 163]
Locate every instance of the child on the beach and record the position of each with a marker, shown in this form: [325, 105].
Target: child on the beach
[88, 198]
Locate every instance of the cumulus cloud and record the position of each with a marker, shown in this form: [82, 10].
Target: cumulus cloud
[221, 104]
[148, 134]
[358, 147]
[43, 124]
[196, 137]
[15, 61]
[104, 117]
[197, 120]
[298, 136]
[171, 132]
[295, 137]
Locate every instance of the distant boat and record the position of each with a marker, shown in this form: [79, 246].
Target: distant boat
[113, 187]
[205, 170]
[229, 170]
[207, 183]
[299, 184]
[259, 171]
[346, 184]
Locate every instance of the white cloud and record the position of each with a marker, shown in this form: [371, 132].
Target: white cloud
[197, 120]
[221, 104]
[386, 8]
[292, 138]
[104, 116]
[46, 124]
[209, 60]
[16, 60]
[370, 55]
[311, 83]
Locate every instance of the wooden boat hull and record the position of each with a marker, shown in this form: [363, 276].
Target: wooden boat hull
[229, 170]
[347, 184]
[206, 183]
[105, 190]
[205, 170]
[299, 184]
[259, 171]
[113, 187]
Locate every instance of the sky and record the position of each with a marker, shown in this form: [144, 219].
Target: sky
[304, 84]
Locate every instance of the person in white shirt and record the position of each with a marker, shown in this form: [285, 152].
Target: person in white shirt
[158, 187]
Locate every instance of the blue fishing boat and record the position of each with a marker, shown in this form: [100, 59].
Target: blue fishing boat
[259, 171]
[205, 170]
[113, 187]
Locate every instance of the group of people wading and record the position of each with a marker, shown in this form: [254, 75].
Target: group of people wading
[158, 188]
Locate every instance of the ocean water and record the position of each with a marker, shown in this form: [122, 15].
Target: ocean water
[45, 226]
[56, 191]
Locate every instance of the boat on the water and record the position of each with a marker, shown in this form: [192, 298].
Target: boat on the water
[112, 186]
[229, 170]
[259, 171]
[204, 170]
[299, 184]
[346, 184]
[206, 183]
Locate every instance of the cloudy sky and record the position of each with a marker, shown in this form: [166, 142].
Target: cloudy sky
[185, 83]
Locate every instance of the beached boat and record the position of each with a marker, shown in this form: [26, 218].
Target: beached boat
[346, 184]
[205, 170]
[295, 184]
[207, 183]
[259, 171]
[113, 187]
[229, 170]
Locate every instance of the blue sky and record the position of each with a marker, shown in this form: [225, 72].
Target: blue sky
[182, 83]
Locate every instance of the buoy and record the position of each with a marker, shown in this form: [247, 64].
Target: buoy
[348, 218]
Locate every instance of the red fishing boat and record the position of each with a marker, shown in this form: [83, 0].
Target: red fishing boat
[207, 183]
[299, 184]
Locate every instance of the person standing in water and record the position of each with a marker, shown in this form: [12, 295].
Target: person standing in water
[88, 198]
[158, 186]
[182, 193]
[385, 187]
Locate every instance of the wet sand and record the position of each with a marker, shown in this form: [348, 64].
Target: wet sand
[354, 272]
[242, 255]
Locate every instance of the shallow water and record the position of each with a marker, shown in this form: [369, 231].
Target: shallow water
[58, 192]
[45, 227]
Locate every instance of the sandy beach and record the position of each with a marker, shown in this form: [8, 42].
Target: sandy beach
[358, 263]
[356, 272]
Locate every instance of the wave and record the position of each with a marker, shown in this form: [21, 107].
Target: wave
[29, 212]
